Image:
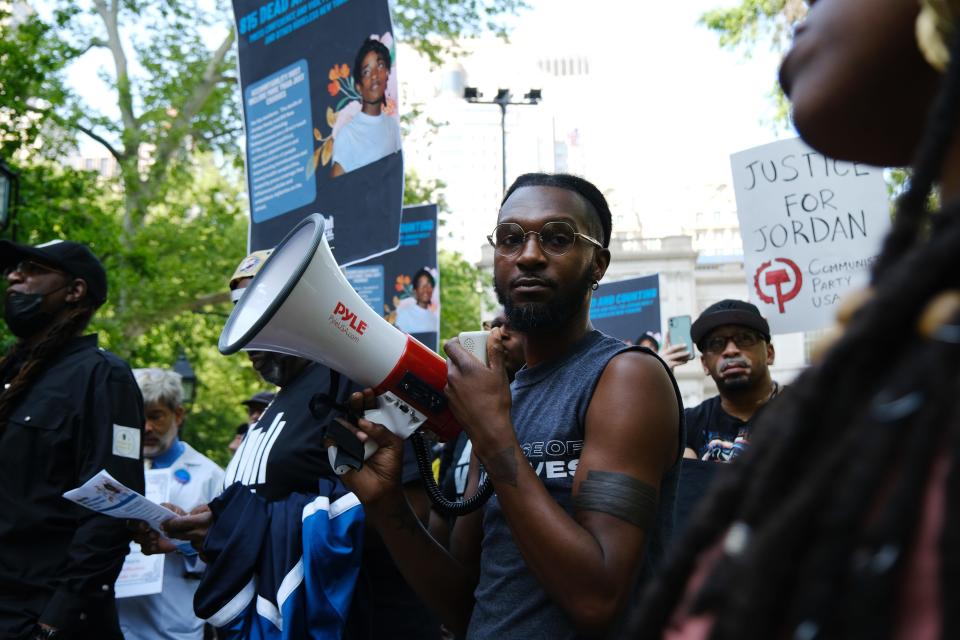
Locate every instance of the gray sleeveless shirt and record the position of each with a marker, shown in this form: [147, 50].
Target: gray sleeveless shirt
[549, 409]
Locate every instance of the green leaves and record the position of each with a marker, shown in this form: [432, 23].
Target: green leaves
[433, 27]
[756, 22]
[460, 287]
[745, 25]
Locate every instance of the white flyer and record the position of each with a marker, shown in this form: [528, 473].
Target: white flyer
[103, 493]
[143, 575]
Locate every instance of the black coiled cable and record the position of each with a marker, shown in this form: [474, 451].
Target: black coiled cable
[440, 503]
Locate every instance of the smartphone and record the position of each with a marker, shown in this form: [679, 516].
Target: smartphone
[678, 329]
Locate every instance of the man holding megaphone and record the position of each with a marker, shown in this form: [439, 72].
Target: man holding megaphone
[583, 449]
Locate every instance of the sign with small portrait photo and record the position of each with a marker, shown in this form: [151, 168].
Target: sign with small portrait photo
[404, 284]
[321, 117]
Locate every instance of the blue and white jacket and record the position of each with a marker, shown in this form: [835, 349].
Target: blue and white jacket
[292, 565]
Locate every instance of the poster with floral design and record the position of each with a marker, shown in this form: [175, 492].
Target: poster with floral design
[321, 115]
[404, 284]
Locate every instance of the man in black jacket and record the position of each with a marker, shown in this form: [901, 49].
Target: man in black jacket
[67, 410]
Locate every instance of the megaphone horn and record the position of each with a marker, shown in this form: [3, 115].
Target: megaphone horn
[300, 303]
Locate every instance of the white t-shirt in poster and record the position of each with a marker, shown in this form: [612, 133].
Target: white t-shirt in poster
[412, 318]
[365, 139]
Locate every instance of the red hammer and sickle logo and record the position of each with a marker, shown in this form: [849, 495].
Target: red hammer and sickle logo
[776, 278]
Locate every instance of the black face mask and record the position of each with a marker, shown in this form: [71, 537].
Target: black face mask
[24, 315]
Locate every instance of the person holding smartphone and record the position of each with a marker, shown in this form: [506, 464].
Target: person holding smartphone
[736, 351]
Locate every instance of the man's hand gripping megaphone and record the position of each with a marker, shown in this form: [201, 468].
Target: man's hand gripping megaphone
[350, 444]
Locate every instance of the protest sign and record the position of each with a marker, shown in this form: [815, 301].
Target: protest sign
[404, 285]
[626, 308]
[319, 86]
[811, 228]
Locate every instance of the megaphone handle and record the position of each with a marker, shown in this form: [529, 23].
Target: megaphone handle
[341, 464]
[348, 452]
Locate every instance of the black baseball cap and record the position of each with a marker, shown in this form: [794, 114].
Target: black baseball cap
[72, 257]
[260, 397]
[729, 312]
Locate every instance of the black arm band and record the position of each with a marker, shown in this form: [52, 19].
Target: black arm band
[618, 495]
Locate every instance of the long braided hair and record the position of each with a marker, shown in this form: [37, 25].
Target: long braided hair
[36, 358]
[817, 519]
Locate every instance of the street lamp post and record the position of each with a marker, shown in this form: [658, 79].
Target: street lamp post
[502, 100]
[8, 195]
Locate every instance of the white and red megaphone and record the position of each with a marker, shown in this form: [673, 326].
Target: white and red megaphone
[301, 304]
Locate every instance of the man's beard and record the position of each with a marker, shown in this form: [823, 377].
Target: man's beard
[544, 316]
[738, 384]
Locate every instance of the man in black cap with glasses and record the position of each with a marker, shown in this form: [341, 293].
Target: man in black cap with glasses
[735, 350]
[67, 410]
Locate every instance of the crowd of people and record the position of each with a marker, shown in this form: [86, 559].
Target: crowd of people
[822, 508]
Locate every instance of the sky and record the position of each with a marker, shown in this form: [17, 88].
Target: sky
[671, 106]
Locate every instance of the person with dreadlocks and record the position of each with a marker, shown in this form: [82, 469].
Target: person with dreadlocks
[842, 519]
[67, 410]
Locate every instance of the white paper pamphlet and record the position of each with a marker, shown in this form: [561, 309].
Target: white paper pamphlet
[143, 575]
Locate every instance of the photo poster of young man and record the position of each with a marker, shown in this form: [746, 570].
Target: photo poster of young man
[321, 118]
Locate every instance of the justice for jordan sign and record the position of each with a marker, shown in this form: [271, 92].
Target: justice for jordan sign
[811, 227]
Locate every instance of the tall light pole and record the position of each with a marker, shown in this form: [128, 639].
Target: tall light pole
[502, 100]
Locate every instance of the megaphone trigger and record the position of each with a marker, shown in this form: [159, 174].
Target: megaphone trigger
[348, 452]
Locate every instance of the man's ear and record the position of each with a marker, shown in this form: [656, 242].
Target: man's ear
[76, 290]
[601, 261]
[771, 353]
[703, 364]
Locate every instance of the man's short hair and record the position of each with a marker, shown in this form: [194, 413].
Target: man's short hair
[586, 190]
[369, 45]
[725, 312]
[160, 385]
[423, 272]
